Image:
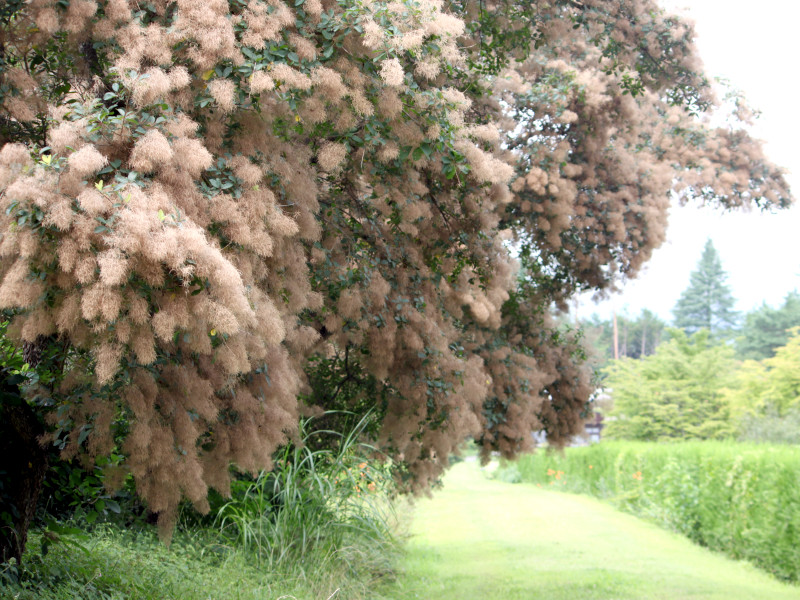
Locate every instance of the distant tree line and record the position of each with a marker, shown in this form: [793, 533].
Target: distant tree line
[707, 303]
[713, 375]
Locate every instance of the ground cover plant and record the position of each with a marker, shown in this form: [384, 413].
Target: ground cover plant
[116, 564]
[740, 499]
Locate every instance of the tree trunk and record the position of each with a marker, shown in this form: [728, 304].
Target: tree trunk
[23, 465]
[625, 340]
[644, 339]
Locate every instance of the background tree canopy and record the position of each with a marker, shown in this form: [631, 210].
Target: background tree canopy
[767, 328]
[772, 385]
[677, 393]
[636, 336]
[220, 214]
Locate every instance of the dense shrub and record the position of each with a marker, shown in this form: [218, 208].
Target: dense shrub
[741, 499]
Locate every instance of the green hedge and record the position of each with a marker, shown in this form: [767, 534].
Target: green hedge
[741, 499]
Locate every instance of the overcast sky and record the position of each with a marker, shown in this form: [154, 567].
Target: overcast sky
[756, 47]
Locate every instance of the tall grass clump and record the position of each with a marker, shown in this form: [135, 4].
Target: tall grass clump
[324, 515]
[321, 524]
[741, 499]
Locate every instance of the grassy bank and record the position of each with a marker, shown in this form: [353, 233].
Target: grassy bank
[118, 565]
[114, 564]
[110, 563]
[740, 499]
[319, 525]
[496, 541]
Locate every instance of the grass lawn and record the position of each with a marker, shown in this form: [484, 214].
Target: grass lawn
[478, 539]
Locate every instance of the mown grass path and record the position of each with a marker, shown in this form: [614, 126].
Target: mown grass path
[479, 539]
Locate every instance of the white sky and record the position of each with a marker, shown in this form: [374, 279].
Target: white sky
[756, 47]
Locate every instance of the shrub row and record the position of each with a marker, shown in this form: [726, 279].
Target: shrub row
[741, 499]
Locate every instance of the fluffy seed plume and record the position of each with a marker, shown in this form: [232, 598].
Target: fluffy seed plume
[331, 156]
[151, 152]
[86, 161]
[392, 72]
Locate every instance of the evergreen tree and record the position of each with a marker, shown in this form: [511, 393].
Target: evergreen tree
[767, 328]
[707, 302]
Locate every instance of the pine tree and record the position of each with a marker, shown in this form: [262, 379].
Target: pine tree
[707, 302]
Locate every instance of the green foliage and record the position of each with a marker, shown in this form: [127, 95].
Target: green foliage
[320, 508]
[673, 394]
[320, 521]
[766, 328]
[784, 376]
[72, 492]
[135, 566]
[764, 396]
[736, 498]
[69, 489]
[771, 427]
[637, 336]
[351, 396]
[707, 302]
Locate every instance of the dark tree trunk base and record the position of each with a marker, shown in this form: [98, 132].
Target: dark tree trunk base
[23, 464]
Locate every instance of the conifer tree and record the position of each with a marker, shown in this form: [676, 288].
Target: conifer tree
[707, 303]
